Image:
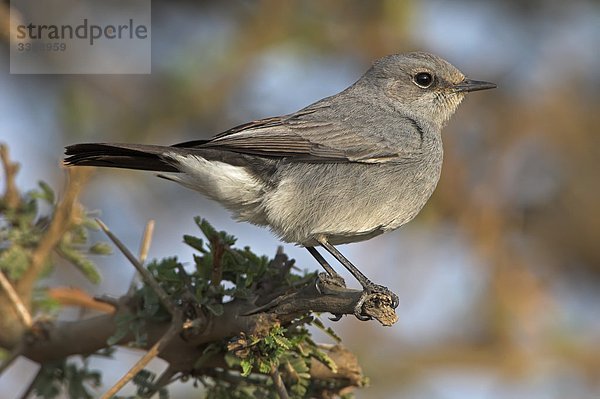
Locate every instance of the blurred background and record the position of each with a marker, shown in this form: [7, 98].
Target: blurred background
[499, 276]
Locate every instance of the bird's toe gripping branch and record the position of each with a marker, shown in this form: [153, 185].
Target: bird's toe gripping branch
[374, 302]
[379, 303]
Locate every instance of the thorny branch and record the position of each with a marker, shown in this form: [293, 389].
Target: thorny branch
[68, 296]
[217, 268]
[143, 253]
[279, 385]
[143, 362]
[146, 241]
[65, 214]
[11, 193]
[16, 301]
[16, 309]
[176, 322]
[146, 276]
[182, 351]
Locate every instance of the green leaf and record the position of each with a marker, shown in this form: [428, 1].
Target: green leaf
[264, 367]
[246, 367]
[50, 377]
[85, 266]
[77, 235]
[327, 330]
[14, 261]
[232, 360]
[150, 303]
[101, 248]
[90, 223]
[212, 234]
[299, 389]
[206, 228]
[282, 342]
[194, 242]
[46, 193]
[325, 359]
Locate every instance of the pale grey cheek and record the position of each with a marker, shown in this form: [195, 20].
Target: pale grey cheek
[446, 106]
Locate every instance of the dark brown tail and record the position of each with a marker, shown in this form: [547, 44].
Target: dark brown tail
[128, 156]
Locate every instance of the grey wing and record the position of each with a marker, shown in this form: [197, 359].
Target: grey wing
[315, 134]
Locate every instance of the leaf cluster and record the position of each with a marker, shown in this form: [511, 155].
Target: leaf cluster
[22, 228]
[287, 350]
[222, 272]
[76, 380]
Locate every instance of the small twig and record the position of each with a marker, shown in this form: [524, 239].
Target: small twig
[151, 354]
[64, 216]
[278, 383]
[146, 241]
[20, 307]
[109, 300]
[77, 297]
[143, 253]
[146, 275]
[11, 193]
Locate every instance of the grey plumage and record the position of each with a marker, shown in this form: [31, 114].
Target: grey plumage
[344, 169]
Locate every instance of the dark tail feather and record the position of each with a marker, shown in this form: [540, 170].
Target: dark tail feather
[128, 156]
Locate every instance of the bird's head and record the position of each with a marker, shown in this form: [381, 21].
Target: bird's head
[422, 85]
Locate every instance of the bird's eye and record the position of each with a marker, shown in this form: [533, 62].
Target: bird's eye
[423, 79]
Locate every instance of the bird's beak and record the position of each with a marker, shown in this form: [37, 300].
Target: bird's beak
[473, 85]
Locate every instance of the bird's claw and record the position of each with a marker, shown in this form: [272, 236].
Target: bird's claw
[336, 317]
[324, 279]
[362, 317]
[378, 294]
[375, 301]
[383, 291]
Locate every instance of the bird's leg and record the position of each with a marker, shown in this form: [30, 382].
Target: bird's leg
[331, 276]
[369, 287]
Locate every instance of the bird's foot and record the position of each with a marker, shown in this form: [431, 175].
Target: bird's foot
[325, 282]
[377, 302]
[325, 279]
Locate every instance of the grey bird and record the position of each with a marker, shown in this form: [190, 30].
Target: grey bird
[344, 169]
